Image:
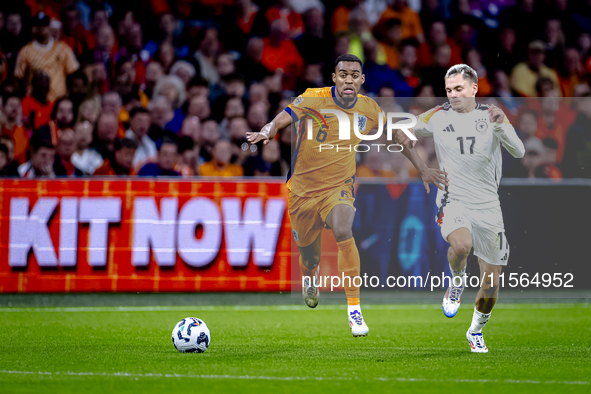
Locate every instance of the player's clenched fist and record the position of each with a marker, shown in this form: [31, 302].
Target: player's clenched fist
[401, 138]
[495, 114]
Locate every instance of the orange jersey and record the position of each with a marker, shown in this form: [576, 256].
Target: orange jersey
[315, 167]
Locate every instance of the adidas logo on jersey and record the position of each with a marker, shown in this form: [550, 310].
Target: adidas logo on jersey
[449, 128]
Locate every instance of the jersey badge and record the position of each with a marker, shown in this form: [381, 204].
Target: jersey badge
[481, 126]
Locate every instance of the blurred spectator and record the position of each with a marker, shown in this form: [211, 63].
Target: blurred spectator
[269, 163]
[391, 37]
[501, 88]
[407, 76]
[167, 28]
[72, 28]
[62, 117]
[166, 56]
[106, 135]
[313, 37]
[220, 164]
[187, 162]
[184, 70]
[4, 160]
[577, 153]
[111, 103]
[525, 74]
[507, 54]
[154, 72]
[533, 158]
[525, 10]
[199, 106]
[173, 88]
[554, 43]
[257, 116]
[283, 10]
[207, 139]
[85, 158]
[375, 74]
[238, 24]
[339, 21]
[251, 60]
[41, 163]
[197, 86]
[11, 125]
[191, 128]
[167, 158]
[65, 148]
[548, 169]
[411, 23]
[54, 57]
[10, 168]
[570, 72]
[474, 60]
[89, 110]
[281, 53]
[209, 46]
[161, 112]
[556, 116]
[528, 124]
[13, 37]
[240, 147]
[120, 162]
[359, 33]
[36, 108]
[139, 124]
[437, 38]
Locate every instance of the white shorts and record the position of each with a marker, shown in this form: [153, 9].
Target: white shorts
[485, 225]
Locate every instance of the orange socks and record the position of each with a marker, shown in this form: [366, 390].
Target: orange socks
[349, 265]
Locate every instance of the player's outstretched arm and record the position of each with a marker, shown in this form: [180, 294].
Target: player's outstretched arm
[428, 175]
[270, 130]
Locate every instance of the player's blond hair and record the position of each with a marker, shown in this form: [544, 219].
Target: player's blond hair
[464, 70]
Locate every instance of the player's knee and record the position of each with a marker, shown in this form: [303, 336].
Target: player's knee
[311, 262]
[342, 232]
[462, 248]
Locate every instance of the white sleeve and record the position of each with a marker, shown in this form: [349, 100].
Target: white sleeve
[506, 133]
[424, 126]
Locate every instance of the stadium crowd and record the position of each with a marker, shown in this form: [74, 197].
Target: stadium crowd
[170, 87]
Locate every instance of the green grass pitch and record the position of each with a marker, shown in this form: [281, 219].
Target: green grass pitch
[289, 348]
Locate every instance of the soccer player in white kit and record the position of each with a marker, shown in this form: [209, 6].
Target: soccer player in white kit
[468, 138]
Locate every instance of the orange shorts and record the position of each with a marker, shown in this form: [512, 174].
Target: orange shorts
[308, 214]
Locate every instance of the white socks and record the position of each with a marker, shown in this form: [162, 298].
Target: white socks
[460, 274]
[479, 320]
[351, 308]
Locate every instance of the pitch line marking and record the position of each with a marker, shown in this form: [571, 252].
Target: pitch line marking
[287, 378]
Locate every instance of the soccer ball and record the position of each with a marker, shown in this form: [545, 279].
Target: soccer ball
[191, 335]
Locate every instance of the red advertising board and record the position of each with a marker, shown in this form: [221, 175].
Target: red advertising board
[143, 235]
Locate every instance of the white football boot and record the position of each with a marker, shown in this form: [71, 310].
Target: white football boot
[310, 292]
[451, 300]
[357, 324]
[476, 341]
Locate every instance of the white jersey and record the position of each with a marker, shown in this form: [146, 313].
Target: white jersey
[468, 148]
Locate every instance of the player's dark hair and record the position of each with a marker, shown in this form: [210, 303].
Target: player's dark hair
[348, 58]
